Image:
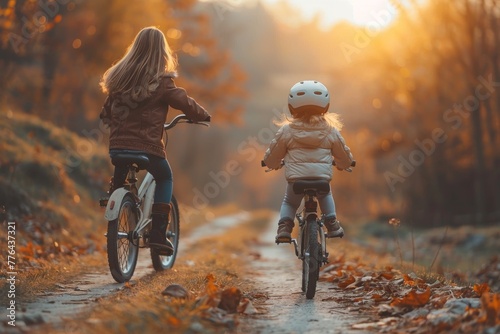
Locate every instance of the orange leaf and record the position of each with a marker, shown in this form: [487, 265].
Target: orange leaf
[174, 321]
[410, 281]
[387, 275]
[490, 303]
[27, 250]
[413, 299]
[480, 289]
[346, 282]
[230, 299]
[211, 288]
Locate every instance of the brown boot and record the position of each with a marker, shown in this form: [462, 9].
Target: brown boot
[285, 227]
[334, 228]
[158, 235]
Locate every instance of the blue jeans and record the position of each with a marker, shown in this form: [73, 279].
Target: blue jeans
[291, 203]
[158, 167]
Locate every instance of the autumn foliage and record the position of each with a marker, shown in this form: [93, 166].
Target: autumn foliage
[399, 301]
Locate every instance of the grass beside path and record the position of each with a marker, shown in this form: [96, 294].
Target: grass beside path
[214, 264]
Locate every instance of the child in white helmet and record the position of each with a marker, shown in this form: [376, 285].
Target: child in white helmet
[307, 144]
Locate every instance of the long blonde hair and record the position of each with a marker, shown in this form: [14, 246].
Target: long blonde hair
[139, 71]
[332, 119]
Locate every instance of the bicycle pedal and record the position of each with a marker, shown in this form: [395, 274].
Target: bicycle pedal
[103, 202]
[281, 241]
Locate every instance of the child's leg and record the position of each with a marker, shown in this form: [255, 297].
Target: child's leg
[289, 207]
[327, 206]
[291, 203]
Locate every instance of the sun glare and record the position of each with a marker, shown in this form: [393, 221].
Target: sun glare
[361, 12]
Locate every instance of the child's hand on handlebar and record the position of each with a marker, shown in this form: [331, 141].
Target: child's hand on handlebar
[269, 169]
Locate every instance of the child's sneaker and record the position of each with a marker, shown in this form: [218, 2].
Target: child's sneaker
[334, 228]
[285, 228]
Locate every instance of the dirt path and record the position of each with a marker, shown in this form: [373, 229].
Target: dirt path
[80, 294]
[278, 274]
[75, 296]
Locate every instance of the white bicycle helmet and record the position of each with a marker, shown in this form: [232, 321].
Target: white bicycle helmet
[309, 94]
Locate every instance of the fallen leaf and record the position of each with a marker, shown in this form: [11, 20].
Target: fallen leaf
[230, 299]
[480, 289]
[346, 282]
[211, 288]
[246, 307]
[490, 304]
[377, 297]
[174, 321]
[413, 299]
[175, 291]
[387, 275]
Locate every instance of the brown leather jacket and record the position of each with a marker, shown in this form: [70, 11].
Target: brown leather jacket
[139, 125]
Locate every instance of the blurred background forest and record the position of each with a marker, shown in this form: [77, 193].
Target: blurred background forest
[417, 85]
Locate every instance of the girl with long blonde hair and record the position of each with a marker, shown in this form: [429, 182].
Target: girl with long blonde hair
[140, 89]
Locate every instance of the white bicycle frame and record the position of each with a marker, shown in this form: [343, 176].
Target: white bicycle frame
[146, 197]
[145, 192]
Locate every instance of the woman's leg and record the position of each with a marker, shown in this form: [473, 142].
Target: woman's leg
[162, 173]
[119, 177]
[120, 173]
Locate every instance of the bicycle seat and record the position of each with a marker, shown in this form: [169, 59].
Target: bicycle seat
[321, 187]
[141, 160]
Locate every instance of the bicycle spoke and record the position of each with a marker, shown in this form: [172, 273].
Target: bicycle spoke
[122, 253]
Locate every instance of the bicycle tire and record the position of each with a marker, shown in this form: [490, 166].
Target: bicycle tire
[161, 262]
[122, 252]
[312, 260]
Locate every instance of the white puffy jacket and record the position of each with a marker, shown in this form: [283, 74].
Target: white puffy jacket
[307, 150]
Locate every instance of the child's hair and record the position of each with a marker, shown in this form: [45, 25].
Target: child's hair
[139, 71]
[332, 119]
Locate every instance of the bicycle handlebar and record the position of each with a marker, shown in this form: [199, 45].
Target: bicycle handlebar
[182, 118]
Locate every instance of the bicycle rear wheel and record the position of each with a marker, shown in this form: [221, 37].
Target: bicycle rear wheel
[161, 262]
[122, 252]
[312, 257]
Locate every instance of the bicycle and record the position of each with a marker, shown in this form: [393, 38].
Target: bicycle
[128, 212]
[310, 246]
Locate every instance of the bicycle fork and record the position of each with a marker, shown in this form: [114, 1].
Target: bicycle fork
[302, 221]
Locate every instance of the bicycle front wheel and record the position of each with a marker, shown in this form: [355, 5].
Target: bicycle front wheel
[161, 262]
[311, 261]
[122, 252]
